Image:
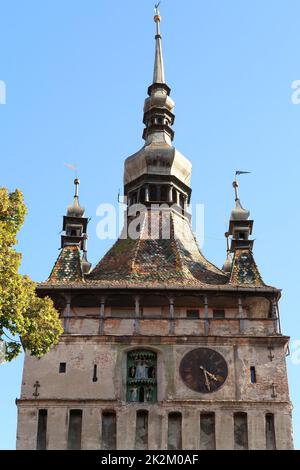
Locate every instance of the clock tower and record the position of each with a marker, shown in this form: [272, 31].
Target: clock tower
[161, 349]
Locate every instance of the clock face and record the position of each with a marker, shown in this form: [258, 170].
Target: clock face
[203, 370]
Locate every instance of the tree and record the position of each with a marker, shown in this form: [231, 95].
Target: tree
[22, 313]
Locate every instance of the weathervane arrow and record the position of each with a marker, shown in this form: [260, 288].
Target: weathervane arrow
[235, 184]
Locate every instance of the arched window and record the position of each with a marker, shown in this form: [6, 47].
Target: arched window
[141, 376]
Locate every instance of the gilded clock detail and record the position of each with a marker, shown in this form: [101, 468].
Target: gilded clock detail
[203, 370]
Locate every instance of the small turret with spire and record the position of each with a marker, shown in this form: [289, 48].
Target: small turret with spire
[240, 227]
[74, 223]
[240, 265]
[72, 263]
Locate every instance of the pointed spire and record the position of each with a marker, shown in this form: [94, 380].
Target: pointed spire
[159, 72]
[158, 108]
[75, 210]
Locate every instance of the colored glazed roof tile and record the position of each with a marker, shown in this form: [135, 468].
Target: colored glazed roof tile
[68, 266]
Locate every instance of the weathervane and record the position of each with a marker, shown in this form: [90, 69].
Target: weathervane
[156, 8]
[157, 17]
[235, 184]
[72, 167]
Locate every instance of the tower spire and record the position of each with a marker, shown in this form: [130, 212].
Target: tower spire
[159, 71]
[158, 108]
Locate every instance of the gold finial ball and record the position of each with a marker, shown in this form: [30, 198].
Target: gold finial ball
[76, 181]
[157, 18]
[235, 184]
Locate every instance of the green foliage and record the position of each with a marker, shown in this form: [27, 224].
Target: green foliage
[22, 313]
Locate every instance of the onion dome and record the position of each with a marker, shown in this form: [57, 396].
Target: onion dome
[227, 266]
[238, 213]
[75, 210]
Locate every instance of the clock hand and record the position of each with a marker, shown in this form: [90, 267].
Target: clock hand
[206, 377]
[212, 376]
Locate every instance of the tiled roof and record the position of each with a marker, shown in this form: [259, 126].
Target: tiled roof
[68, 266]
[156, 262]
[152, 261]
[244, 270]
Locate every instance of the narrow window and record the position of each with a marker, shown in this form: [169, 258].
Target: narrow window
[164, 193]
[62, 367]
[95, 378]
[174, 431]
[174, 195]
[240, 431]
[142, 195]
[218, 314]
[74, 433]
[152, 193]
[42, 430]
[207, 431]
[133, 198]
[252, 375]
[270, 432]
[109, 430]
[192, 313]
[141, 433]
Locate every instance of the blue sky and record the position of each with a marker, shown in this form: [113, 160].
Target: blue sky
[76, 75]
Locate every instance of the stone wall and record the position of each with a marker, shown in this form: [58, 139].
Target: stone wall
[158, 430]
[75, 389]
